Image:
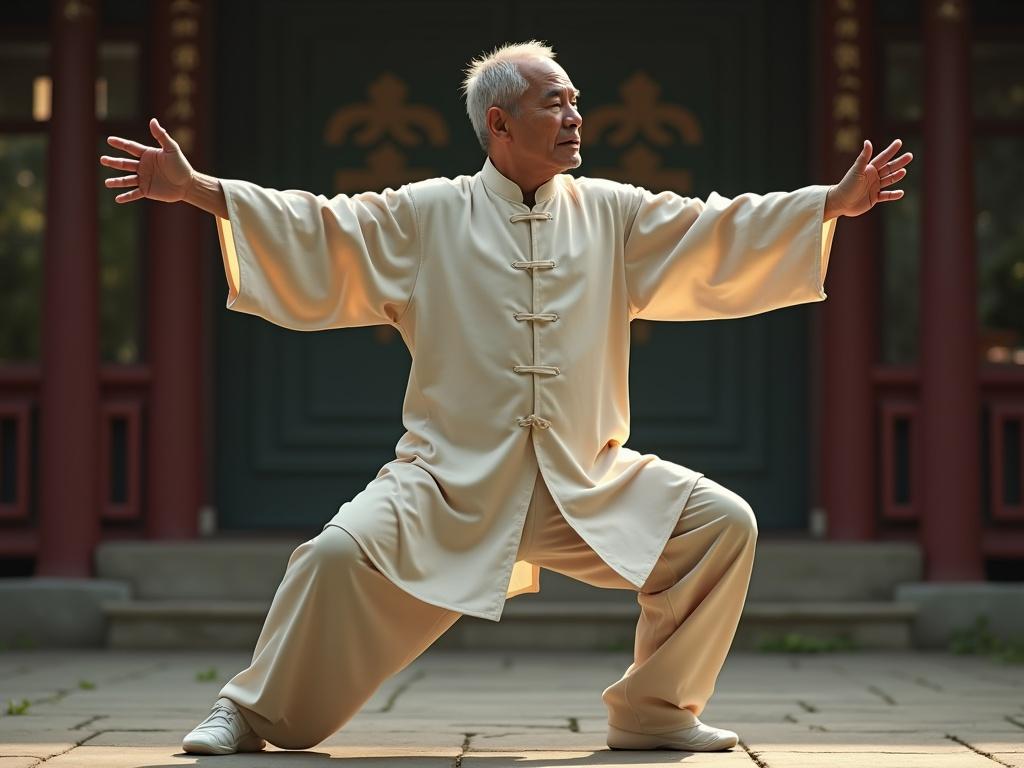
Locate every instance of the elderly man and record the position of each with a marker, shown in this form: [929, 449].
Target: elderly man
[514, 290]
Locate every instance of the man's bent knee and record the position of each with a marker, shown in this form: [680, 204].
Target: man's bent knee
[334, 547]
[739, 515]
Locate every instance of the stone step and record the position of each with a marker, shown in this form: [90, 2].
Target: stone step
[205, 569]
[530, 623]
[527, 623]
[784, 570]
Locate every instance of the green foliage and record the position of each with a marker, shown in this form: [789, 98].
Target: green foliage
[794, 642]
[23, 225]
[207, 675]
[22, 235]
[86, 685]
[18, 708]
[979, 639]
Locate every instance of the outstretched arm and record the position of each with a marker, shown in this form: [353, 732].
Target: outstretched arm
[688, 258]
[162, 173]
[691, 259]
[299, 260]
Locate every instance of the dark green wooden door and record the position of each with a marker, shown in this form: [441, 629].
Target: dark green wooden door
[339, 97]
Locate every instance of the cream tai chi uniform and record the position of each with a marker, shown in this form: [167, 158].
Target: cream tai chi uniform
[516, 414]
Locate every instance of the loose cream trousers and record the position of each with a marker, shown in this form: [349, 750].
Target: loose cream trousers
[338, 628]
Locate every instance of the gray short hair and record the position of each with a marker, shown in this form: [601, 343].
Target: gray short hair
[494, 80]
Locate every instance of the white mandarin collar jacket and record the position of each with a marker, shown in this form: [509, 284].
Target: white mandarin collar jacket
[517, 319]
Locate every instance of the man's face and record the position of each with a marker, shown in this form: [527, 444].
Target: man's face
[545, 135]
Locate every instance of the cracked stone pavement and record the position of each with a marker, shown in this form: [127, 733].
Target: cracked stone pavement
[470, 709]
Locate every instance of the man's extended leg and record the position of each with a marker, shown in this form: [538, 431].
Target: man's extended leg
[689, 607]
[336, 630]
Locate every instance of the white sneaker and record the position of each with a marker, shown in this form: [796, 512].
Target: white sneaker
[696, 738]
[223, 732]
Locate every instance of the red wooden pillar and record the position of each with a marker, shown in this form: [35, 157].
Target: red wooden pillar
[174, 449]
[69, 522]
[951, 524]
[849, 317]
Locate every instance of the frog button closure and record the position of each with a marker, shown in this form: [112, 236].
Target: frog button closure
[534, 420]
[549, 316]
[548, 370]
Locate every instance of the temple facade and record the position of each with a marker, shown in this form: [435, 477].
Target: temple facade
[134, 405]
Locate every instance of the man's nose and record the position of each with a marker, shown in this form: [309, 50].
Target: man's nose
[574, 117]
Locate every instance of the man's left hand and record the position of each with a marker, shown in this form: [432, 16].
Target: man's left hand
[862, 186]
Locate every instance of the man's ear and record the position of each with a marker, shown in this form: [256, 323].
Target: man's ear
[497, 124]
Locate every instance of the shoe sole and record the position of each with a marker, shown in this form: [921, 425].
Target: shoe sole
[619, 739]
[198, 748]
[202, 748]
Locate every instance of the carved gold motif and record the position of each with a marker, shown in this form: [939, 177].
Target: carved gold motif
[182, 85]
[846, 27]
[186, 137]
[846, 104]
[185, 56]
[642, 113]
[386, 113]
[76, 9]
[180, 111]
[847, 138]
[847, 56]
[180, 114]
[950, 10]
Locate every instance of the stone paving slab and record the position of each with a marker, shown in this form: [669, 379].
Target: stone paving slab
[734, 758]
[42, 745]
[168, 757]
[460, 709]
[874, 759]
[18, 762]
[537, 740]
[995, 741]
[968, 727]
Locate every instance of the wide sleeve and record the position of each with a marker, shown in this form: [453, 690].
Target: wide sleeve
[308, 262]
[686, 259]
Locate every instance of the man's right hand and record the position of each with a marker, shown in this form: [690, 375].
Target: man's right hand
[161, 173]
